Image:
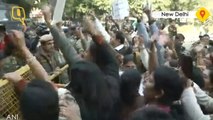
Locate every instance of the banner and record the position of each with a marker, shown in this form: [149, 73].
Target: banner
[120, 9]
[58, 6]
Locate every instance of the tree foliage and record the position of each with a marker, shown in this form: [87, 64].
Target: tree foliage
[104, 6]
[136, 6]
[76, 7]
[175, 5]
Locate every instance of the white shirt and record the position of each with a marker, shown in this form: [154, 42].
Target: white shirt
[140, 91]
[119, 47]
[191, 98]
[141, 87]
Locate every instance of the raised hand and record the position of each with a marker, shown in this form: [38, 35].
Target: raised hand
[147, 11]
[47, 12]
[18, 39]
[92, 14]
[13, 77]
[89, 26]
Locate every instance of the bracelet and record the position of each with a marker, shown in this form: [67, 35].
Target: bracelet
[29, 60]
[98, 39]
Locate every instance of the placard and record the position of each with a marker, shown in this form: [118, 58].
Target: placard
[58, 9]
[120, 9]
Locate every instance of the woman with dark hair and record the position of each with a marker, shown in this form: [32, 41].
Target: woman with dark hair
[103, 56]
[91, 91]
[194, 97]
[95, 86]
[186, 64]
[190, 71]
[131, 100]
[163, 88]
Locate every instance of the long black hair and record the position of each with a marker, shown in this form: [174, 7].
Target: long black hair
[130, 82]
[91, 91]
[186, 64]
[168, 80]
[39, 101]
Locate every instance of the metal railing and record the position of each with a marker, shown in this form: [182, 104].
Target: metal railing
[9, 102]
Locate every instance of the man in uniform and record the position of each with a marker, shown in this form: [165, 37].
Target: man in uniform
[127, 26]
[49, 57]
[172, 29]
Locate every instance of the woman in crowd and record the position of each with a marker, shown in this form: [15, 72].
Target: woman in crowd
[93, 85]
[130, 97]
[96, 90]
[163, 88]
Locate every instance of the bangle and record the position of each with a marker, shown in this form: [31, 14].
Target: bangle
[99, 39]
[29, 60]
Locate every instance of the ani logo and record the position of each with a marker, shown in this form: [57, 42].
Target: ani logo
[12, 117]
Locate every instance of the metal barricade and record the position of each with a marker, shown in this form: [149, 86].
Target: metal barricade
[9, 102]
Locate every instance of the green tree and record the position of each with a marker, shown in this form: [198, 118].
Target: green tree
[175, 5]
[76, 8]
[135, 6]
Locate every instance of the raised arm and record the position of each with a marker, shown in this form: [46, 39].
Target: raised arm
[84, 41]
[144, 53]
[152, 24]
[100, 27]
[143, 32]
[191, 106]
[36, 68]
[203, 98]
[60, 39]
[105, 55]
[153, 59]
[108, 59]
[160, 48]
[155, 31]
[144, 57]
[154, 28]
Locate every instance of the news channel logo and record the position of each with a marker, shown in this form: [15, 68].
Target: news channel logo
[18, 13]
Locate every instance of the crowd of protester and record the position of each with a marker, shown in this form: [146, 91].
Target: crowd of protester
[120, 72]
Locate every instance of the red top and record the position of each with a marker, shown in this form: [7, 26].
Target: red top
[99, 39]
[5, 42]
[164, 108]
[2, 45]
